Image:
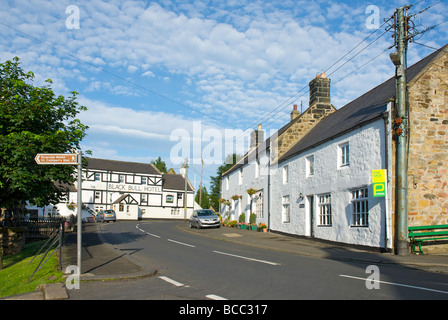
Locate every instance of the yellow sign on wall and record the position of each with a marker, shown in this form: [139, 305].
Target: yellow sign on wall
[379, 183]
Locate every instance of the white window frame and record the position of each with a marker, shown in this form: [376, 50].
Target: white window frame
[258, 203]
[121, 178]
[144, 180]
[344, 155]
[97, 176]
[360, 207]
[325, 211]
[310, 166]
[285, 174]
[286, 209]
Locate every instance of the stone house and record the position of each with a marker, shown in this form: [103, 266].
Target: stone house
[321, 167]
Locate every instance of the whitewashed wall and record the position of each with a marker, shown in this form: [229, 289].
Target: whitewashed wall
[367, 153]
[254, 175]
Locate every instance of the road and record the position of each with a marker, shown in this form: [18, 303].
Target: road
[200, 268]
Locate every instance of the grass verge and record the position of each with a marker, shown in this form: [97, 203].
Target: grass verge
[16, 271]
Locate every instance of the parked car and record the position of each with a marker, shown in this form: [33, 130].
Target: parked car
[204, 218]
[106, 216]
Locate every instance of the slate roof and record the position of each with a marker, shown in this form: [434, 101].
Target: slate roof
[360, 111]
[175, 182]
[122, 166]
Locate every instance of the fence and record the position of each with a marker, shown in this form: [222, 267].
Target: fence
[37, 229]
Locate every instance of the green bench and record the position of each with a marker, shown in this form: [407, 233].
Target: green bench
[420, 234]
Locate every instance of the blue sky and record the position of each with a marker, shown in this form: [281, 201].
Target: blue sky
[148, 70]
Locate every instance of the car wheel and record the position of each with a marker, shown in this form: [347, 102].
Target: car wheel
[191, 226]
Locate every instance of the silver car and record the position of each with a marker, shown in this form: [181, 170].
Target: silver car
[204, 218]
[106, 216]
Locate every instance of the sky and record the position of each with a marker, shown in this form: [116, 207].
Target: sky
[191, 79]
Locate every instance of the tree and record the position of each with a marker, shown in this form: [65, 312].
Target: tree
[205, 203]
[159, 164]
[34, 120]
[215, 184]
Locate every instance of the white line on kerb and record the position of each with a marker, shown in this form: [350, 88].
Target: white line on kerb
[184, 244]
[395, 284]
[174, 282]
[215, 297]
[246, 258]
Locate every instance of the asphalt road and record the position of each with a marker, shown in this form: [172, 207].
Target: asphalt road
[199, 268]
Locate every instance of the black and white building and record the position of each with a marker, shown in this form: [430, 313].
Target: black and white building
[133, 190]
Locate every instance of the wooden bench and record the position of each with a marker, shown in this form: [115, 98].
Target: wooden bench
[420, 234]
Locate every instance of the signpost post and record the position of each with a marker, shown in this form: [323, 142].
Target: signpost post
[68, 159]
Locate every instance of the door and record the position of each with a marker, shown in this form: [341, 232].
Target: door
[310, 200]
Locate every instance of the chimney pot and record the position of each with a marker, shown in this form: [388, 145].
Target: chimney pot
[295, 107]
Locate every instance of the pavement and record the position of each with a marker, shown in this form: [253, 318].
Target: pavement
[101, 261]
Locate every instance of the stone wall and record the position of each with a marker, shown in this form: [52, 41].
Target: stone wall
[428, 152]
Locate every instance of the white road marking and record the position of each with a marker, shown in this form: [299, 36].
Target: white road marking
[174, 282]
[395, 284]
[182, 243]
[247, 258]
[215, 297]
[149, 234]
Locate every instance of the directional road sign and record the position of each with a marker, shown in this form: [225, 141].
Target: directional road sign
[56, 158]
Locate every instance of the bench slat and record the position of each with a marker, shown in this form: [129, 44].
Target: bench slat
[420, 234]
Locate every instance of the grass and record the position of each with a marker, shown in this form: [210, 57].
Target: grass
[16, 271]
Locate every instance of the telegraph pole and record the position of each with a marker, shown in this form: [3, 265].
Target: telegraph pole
[401, 130]
[186, 184]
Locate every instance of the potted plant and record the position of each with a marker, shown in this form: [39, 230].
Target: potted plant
[251, 191]
[235, 197]
[253, 221]
[262, 227]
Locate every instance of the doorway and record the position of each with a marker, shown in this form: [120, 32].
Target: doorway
[310, 215]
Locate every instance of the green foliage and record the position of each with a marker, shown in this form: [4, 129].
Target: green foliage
[34, 120]
[205, 203]
[160, 165]
[215, 183]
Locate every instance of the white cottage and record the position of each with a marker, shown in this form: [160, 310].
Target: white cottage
[322, 162]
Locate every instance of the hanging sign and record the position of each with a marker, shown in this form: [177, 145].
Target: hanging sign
[379, 183]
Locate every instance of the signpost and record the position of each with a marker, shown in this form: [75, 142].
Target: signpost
[68, 159]
[56, 158]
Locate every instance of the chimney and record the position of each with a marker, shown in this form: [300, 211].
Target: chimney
[320, 92]
[256, 137]
[294, 112]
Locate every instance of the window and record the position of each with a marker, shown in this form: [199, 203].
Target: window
[97, 176]
[285, 174]
[285, 210]
[97, 195]
[121, 178]
[121, 207]
[325, 210]
[144, 198]
[310, 166]
[344, 155]
[144, 180]
[360, 204]
[258, 204]
[169, 198]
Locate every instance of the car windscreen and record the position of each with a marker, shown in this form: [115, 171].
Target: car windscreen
[205, 213]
